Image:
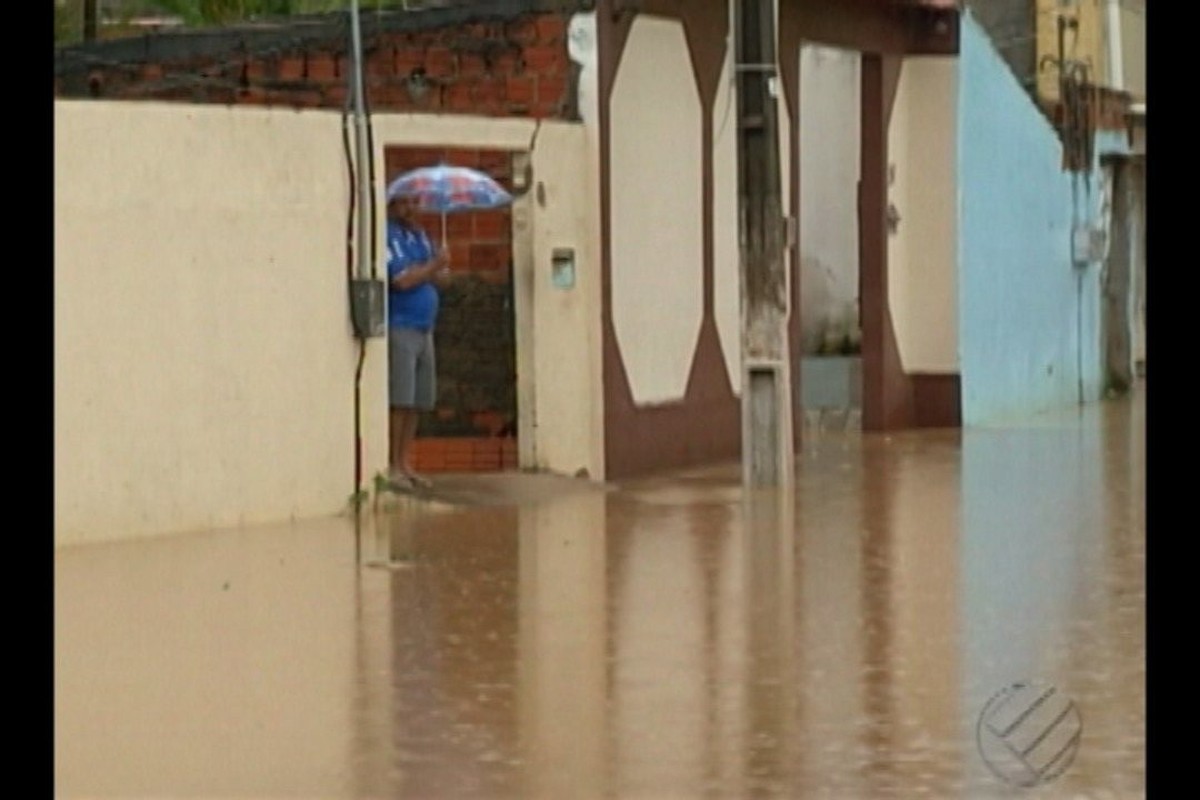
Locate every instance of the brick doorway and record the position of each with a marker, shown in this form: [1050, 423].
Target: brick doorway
[474, 427]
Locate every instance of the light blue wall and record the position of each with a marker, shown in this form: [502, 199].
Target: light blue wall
[1029, 321]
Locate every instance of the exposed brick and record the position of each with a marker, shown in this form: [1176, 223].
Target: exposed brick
[492, 226]
[381, 62]
[546, 59]
[471, 65]
[458, 226]
[256, 69]
[222, 95]
[406, 60]
[380, 94]
[551, 89]
[336, 96]
[439, 62]
[547, 109]
[308, 98]
[459, 98]
[521, 91]
[322, 67]
[152, 72]
[489, 256]
[424, 156]
[551, 28]
[460, 258]
[463, 156]
[290, 68]
[522, 31]
[251, 96]
[500, 276]
[432, 223]
[489, 94]
[507, 63]
[497, 163]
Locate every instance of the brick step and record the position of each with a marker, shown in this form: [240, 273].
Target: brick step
[464, 454]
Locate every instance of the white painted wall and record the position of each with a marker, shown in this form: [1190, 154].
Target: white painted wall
[582, 45]
[727, 287]
[204, 361]
[657, 211]
[830, 151]
[922, 254]
[567, 353]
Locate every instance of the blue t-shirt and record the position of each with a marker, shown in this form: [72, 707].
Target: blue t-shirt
[416, 307]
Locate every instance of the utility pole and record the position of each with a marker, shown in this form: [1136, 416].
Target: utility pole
[766, 383]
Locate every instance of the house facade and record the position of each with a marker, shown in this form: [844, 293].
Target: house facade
[616, 271]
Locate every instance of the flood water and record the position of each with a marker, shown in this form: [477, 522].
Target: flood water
[862, 636]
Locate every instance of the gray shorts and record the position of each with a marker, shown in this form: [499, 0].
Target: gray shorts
[412, 370]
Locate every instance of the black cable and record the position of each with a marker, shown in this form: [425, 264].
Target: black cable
[362, 342]
[353, 193]
[371, 175]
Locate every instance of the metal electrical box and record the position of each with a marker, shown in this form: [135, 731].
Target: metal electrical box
[1089, 245]
[367, 310]
[562, 268]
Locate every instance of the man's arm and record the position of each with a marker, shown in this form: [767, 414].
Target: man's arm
[419, 273]
[406, 277]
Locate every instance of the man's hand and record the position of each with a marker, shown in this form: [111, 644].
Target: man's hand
[439, 269]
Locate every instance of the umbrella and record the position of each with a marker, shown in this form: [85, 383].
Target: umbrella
[448, 189]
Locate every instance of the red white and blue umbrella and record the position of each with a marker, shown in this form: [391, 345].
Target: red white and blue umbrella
[447, 189]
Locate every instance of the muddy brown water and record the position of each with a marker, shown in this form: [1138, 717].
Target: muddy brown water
[673, 637]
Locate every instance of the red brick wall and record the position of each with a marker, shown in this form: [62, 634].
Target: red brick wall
[516, 67]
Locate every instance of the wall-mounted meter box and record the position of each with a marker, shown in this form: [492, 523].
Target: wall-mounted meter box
[367, 310]
[1089, 245]
[562, 268]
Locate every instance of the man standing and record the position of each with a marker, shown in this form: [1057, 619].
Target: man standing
[415, 270]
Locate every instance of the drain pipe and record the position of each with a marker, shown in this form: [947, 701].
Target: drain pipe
[366, 292]
[361, 148]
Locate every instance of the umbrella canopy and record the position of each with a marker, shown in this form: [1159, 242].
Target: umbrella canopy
[447, 189]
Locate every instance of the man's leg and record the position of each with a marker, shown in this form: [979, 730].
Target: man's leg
[424, 399]
[403, 350]
[399, 436]
[408, 432]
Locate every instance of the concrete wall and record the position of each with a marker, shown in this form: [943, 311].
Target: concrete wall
[1029, 320]
[204, 362]
[830, 148]
[567, 358]
[922, 251]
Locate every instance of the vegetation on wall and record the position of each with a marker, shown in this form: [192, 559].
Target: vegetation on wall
[114, 16]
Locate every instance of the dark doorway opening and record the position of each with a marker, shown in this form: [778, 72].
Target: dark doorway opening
[474, 426]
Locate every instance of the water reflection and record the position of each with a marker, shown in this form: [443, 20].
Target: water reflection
[563, 668]
[675, 638]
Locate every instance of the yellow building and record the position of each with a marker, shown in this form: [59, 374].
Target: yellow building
[1106, 37]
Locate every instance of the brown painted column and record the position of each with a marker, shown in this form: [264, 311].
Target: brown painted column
[887, 392]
